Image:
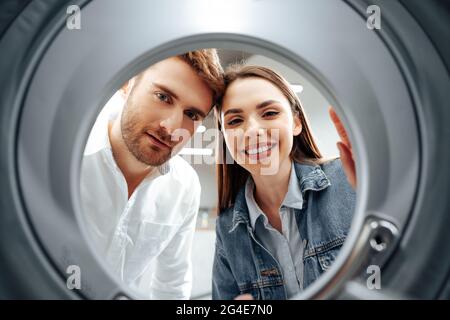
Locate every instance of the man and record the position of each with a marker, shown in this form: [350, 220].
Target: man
[140, 201]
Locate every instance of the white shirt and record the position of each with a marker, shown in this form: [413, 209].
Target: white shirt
[155, 227]
[286, 247]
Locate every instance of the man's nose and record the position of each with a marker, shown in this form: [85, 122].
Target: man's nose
[172, 121]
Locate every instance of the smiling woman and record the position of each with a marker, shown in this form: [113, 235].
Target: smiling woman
[296, 214]
[204, 239]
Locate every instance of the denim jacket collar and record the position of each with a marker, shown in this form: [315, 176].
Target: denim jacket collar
[311, 177]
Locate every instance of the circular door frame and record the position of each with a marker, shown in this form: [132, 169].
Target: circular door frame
[61, 185]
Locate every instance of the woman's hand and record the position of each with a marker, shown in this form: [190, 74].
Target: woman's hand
[345, 149]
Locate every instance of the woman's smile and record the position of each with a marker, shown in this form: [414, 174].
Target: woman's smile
[259, 151]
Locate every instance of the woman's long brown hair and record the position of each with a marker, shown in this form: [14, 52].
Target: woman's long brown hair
[231, 177]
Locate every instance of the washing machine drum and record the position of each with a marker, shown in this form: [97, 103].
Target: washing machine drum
[59, 65]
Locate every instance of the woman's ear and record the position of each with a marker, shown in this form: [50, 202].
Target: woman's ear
[297, 125]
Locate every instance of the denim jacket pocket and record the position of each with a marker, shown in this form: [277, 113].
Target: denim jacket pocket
[251, 288]
[327, 259]
[270, 279]
[329, 253]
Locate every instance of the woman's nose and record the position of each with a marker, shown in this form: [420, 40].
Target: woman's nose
[254, 128]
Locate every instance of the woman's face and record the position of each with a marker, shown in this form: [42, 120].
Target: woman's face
[258, 124]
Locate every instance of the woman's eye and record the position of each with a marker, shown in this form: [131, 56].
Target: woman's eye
[233, 122]
[163, 97]
[192, 115]
[270, 113]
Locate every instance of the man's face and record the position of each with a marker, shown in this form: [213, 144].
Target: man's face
[166, 104]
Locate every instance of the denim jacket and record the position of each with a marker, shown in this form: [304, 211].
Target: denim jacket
[243, 265]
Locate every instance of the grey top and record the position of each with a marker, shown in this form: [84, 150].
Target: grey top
[285, 247]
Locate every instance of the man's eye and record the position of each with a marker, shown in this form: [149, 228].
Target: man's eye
[234, 122]
[270, 113]
[192, 115]
[163, 97]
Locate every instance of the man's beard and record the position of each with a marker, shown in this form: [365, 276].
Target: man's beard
[137, 143]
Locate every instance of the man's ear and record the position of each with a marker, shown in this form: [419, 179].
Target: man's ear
[297, 125]
[125, 89]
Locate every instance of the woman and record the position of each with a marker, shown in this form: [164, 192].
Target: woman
[284, 212]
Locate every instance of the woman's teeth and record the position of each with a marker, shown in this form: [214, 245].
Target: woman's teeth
[259, 150]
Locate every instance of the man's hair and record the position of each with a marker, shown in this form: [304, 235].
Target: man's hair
[206, 63]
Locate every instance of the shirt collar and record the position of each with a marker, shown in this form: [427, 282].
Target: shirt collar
[253, 208]
[98, 138]
[293, 198]
[305, 176]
